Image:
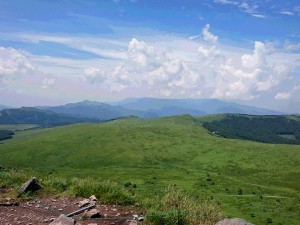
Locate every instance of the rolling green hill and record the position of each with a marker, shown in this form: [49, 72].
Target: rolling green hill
[250, 180]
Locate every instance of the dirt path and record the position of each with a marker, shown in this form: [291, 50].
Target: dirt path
[42, 213]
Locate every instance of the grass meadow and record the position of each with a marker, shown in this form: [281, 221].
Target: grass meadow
[255, 181]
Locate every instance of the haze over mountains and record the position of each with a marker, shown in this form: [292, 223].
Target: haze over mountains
[91, 111]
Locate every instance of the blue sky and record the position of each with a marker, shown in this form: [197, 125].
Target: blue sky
[53, 52]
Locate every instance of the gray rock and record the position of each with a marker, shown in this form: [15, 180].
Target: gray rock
[234, 221]
[31, 185]
[83, 203]
[63, 220]
[133, 222]
[93, 198]
[94, 213]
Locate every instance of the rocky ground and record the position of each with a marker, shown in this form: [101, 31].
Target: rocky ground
[30, 212]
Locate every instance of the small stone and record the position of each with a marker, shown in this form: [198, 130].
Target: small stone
[235, 221]
[133, 222]
[84, 202]
[93, 198]
[63, 220]
[46, 221]
[94, 213]
[30, 185]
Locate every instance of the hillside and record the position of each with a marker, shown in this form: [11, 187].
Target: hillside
[268, 129]
[30, 115]
[250, 180]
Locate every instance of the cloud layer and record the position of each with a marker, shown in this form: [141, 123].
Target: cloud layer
[214, 73]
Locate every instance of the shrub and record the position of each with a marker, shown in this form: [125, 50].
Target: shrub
[106, 191]
[176, 207]
[240, 191]
[56, 184]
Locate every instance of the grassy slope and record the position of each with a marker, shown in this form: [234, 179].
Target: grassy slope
[176, 150]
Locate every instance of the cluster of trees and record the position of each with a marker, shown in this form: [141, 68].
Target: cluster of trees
[6, 134]
[268, 129]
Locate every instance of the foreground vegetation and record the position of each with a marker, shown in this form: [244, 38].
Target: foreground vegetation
[174, 206]
[250, 180]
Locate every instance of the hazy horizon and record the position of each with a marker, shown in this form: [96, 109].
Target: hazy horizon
[53, 53]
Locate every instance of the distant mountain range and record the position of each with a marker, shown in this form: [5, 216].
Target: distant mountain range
[4, 107]
[195, 107]
[30, 115]
[98, 110]
[91, 111]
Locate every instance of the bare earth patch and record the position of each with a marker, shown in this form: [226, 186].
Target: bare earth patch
[29, 212]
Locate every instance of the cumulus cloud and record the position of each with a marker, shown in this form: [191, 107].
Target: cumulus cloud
[19, 74]
[283, 96]
[288, 13]
[213, 73]
[256, 76]
[207, 35]
[159, 70]
[292, 46]
[48, 82]
[15, 69]
[13, 63]
[258, 57]
[288, 94]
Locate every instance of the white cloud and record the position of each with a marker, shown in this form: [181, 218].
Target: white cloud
[291, 46]
[288, 13]
[226, 2]
[282, 96]
[258, 57]
[287, 95]
[258, 15]
[158, 70]
[47, 82]
[207, 35]
[256, 75]
[297, 8]
[14, 62]
[215, 73]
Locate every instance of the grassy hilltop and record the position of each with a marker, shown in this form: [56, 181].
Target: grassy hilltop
[251, 180]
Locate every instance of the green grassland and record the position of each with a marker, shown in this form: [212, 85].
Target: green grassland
[250, 180]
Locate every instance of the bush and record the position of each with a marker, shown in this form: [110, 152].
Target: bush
[56, 184]
[106, 191]
[176, 207]
[240, 191]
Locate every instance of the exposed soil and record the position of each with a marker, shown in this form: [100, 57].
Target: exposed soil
[29, 212]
